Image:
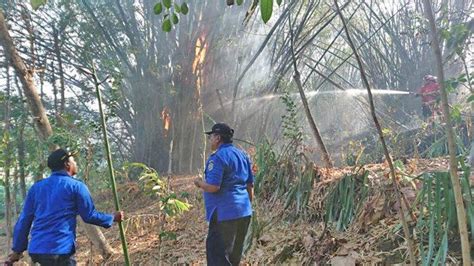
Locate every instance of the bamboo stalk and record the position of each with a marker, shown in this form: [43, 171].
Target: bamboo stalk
[309, 116]
[460, 209]
[111, 167]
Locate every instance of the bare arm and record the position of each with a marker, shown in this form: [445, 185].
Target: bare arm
[250, 191]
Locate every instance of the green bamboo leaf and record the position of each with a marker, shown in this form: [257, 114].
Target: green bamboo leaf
[266, 9]
[184, 9]
[166, 27]
[175, 18]
[136, 165]
[339, 221]
[432, 229]
[239, 2]
[442, 251]
[438, 202]
[167, 235]
[167, 3]
[182, 206]
[466, 187]
[35, 4]
[177, 8]
[158, 8]
[148, 176]
[471, 98]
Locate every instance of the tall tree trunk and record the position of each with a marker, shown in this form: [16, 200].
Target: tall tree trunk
[16, 206]
[26, 77]
[307, 111]
[21, 144]
[39, 114]
[453, 165]
[41, 76]
[309, 116]
[21, 158]
[8, 160]
[193, 145]
[406, 229]
[8, 205]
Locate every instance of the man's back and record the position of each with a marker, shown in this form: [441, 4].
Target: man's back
[230, 169]
[54, 215]
[52, 206]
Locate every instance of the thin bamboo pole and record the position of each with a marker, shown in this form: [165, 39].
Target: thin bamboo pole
[406, 230]
[453, 164]
[110, 165]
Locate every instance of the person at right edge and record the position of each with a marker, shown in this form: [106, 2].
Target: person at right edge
[228, 192]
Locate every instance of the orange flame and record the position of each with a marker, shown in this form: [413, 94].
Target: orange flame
[199, 59]
[199, 53]
[166, 117]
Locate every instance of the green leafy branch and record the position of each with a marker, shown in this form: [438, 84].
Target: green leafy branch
[291, 129]
[155, 185]
[171, 12]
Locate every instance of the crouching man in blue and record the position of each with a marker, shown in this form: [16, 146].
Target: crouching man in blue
[228, 192]
[50, 211]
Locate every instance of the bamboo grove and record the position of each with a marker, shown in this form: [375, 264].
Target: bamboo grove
[305, 83]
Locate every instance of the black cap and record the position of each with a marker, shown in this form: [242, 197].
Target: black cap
[57, 159]
[221, 129]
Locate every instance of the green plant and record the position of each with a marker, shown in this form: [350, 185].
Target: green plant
[439, 146]
[265, 161]
[437, 221]
[345, 198]
[287, 178]
[291, 129]
[154, 185]
[299, 191]
[353, 153]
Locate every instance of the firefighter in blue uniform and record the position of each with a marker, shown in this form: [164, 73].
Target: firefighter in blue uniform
[228, 192]
[49, 215]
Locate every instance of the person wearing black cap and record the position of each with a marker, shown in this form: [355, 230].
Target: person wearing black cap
[49, 214]
[228, 192]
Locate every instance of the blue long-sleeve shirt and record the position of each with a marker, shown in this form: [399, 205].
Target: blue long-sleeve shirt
[50, 211]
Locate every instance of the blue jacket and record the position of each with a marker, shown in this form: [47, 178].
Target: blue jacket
[50, 211]
[229, 168]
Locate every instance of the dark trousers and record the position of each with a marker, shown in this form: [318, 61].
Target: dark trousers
[225, 241]
[426, 110]
[54, 260]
